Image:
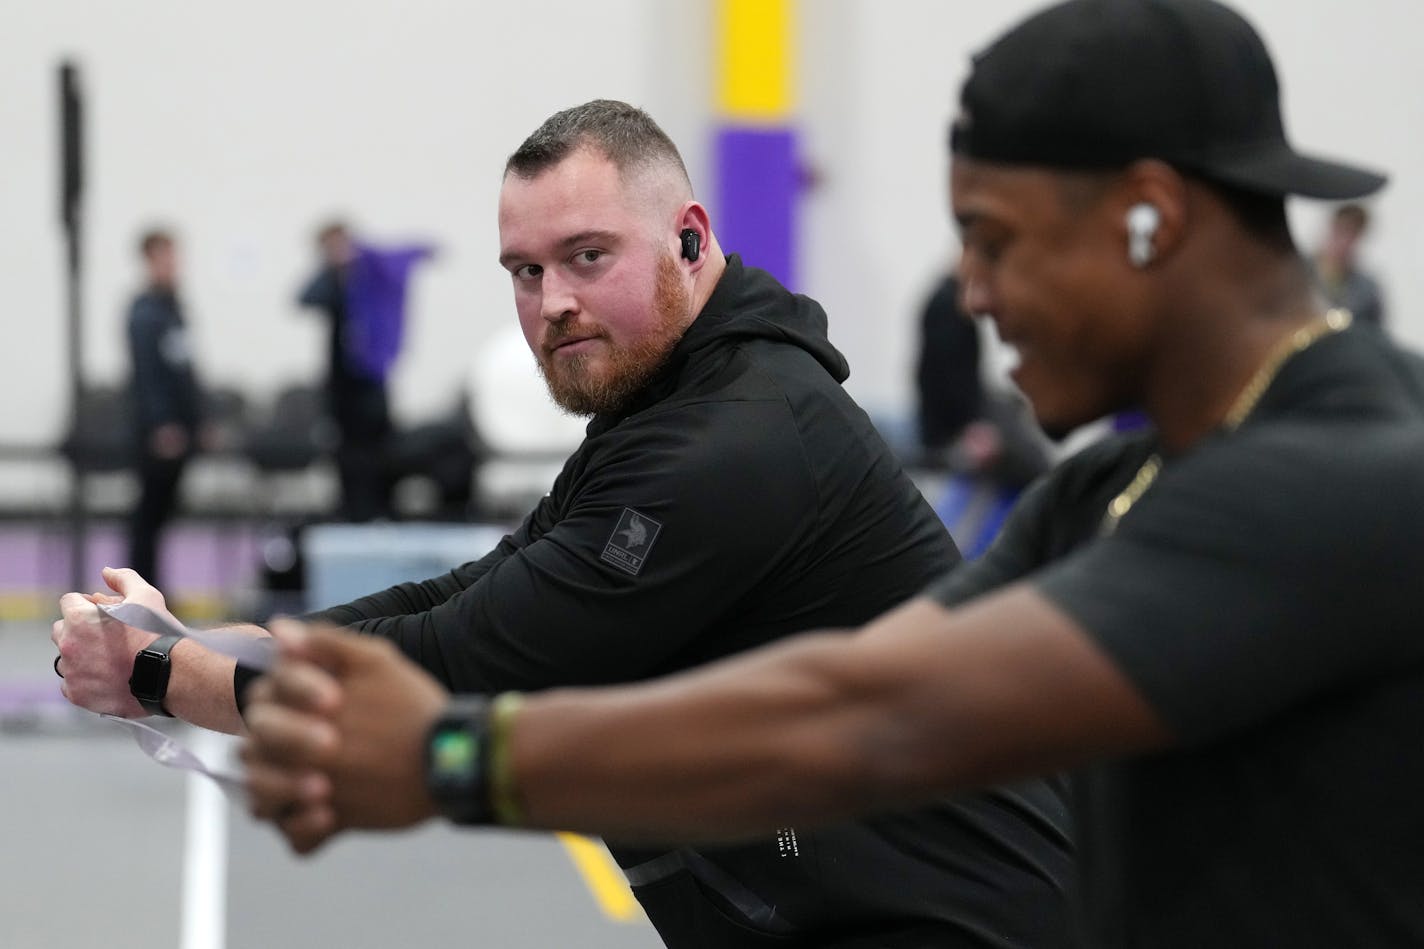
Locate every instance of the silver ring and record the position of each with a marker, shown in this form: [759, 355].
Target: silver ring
[56, 668]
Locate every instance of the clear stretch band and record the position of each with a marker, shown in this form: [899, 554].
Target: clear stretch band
[257, 652]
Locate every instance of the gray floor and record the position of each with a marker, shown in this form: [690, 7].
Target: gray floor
[92, 853]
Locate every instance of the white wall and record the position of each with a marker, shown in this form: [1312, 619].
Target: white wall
[245, 124]
[879, 84]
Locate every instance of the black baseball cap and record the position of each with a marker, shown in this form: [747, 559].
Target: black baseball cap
[1100, 83]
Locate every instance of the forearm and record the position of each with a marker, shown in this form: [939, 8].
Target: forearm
[200, 687]
[924, 701]
[732, 750]
[524, 623]
[405, 599]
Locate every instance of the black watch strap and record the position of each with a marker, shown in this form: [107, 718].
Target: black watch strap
[149, 680]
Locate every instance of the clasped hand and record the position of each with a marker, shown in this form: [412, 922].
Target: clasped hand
[336, 736]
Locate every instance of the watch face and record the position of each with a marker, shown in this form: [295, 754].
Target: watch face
[150, 675]
[455, 764]
[454, 757]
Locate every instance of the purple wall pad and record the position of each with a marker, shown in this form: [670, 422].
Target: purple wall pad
[18, 696]
[197, 557]
[757, 183]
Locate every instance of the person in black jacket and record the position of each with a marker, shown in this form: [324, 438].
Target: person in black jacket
[166, 397]
[948, 380]
[728, 493]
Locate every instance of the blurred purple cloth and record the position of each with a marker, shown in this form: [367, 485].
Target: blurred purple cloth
[1131, 421]
[375, 305]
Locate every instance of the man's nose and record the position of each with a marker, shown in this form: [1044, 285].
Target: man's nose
[974, 297]
[558, 301]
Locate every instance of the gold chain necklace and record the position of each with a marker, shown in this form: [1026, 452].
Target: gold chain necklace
[1333, 321]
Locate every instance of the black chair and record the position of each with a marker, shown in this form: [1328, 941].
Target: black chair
[102, 432]
[297, 433]
[227, 416]
[445, 452]
[288, 448]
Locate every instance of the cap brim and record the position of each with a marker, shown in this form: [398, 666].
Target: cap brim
[1287, 172]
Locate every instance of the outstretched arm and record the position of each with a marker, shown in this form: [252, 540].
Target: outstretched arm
[922, 701]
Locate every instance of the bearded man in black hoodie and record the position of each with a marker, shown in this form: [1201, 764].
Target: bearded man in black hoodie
[728, 493]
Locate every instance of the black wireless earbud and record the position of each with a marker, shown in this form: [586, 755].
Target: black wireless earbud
[691, 244]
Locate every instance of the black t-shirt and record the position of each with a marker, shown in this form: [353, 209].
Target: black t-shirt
[1265, 595]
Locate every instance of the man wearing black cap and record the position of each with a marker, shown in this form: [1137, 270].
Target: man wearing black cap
[1214, 623]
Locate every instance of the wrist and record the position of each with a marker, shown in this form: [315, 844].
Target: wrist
[504, 792]
[152, 670]
[467, 766]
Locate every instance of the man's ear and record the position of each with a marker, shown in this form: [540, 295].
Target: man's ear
[693, 235]
[1152, 205]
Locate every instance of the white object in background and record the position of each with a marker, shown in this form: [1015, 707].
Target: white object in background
[205, 846]
[510, 403]
[529, 435]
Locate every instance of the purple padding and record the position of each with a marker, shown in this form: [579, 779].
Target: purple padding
[197, 557]
[18, 696]
[757, 182]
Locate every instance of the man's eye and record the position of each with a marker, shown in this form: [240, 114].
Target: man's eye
[589, 256]
[528, 271]
[985, 249]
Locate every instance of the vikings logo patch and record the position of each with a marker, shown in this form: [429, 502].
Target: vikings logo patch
[627, 548]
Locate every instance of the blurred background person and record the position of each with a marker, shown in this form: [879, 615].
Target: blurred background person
[1337, 268]
[166, 396]
[982, 436]
[362, 291]
[948, 382]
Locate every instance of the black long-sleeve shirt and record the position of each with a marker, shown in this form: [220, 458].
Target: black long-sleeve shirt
[742, 497]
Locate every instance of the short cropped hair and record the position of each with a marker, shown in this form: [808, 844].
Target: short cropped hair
[152, 239]
[626, 135]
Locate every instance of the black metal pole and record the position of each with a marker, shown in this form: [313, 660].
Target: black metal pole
[71, 192]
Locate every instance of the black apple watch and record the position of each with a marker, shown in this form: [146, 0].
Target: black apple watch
[457, 761]
[151, 669]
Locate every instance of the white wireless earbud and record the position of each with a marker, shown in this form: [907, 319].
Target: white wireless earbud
[1142, 221]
